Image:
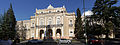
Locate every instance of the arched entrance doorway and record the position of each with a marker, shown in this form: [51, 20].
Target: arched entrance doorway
[41, 33]
[49, 33]
[58, 32]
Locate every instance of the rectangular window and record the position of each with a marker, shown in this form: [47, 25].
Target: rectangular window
[71, 33]
[70, 21]
[32, 24]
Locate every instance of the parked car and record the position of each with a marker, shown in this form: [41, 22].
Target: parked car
[94, 41]
[64, 41]
[35, 41]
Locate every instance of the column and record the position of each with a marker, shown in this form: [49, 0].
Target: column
[54, 23]
[45, 32]
[36, 32]
[53, 31]
[37, 28]
[62, 30]
[45, 27]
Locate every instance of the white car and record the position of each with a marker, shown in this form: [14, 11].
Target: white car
[35, 41]
[64, 41]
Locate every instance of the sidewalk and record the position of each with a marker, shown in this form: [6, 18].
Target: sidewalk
[50, 40]
[24, 41]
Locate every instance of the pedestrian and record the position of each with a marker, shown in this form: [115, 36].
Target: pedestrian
[5, 41]
[10, 41]
[16, 41]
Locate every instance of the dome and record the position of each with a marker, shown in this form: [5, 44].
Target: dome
[88, 13]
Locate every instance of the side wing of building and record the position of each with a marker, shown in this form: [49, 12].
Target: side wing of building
[23, 29]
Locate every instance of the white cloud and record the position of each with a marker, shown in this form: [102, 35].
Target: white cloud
[87, 13]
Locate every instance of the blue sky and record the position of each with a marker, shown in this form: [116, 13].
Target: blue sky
[23, 9]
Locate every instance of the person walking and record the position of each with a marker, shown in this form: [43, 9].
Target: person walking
[16, 41]
[5, 41]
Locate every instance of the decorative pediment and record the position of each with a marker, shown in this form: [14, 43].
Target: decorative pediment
[50, 7]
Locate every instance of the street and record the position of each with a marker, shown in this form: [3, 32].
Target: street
[52, 43]
[112, 42]
[81, 42]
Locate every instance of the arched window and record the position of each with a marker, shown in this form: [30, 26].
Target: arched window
[58, 20]
[49, 11]
[71, 32]
[41, 22]
[61, 11]
[58, 11]
[41, 12]
[49, 21]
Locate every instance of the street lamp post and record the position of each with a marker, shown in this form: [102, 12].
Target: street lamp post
[85, 21]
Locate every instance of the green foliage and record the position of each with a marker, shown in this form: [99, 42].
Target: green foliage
[108, 27]
[93, 29]
[79, 33]
[107, 14]
[8, 24]
[1, 25]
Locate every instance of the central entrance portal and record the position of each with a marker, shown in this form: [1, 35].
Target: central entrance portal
[49, 34]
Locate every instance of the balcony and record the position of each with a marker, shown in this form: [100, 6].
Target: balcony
[41, 26]
[70, 25]
[59, 25]
[49, 26]
[32, 27]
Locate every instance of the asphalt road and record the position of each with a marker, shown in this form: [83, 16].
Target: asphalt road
[51, 43]
[106, 42]
[112, 42]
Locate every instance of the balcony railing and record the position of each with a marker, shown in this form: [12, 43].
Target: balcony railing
[70, 25]
[41, 26]
[59, 25]
[50, 26]
[32, 27]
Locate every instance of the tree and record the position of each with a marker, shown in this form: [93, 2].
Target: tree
[21, 31]
[105, 11]
[92, 27]
[12, 20]
[1, 22]
[79, 33]
[5, 25]
[108, 28]
[88, 28]
[9, 23]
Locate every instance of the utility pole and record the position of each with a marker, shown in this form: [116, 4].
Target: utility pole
[85, 22]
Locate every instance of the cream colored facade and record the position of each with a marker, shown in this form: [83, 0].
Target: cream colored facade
[23, 29]
[51, 23]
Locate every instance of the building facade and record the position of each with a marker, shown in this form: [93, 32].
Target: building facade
[23, 29]
[50, 23]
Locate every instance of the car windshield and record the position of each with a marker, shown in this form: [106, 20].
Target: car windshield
[63, 39]
[34, 39]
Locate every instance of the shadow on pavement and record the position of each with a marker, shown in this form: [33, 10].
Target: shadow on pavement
[45, 42]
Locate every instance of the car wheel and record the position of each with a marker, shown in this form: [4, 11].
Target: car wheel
[58, 42]
[90, 42]
[68, 42]
[28, 42]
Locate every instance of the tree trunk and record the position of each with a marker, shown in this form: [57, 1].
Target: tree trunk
[106, 36]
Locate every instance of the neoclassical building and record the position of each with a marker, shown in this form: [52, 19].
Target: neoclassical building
[50, 23]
